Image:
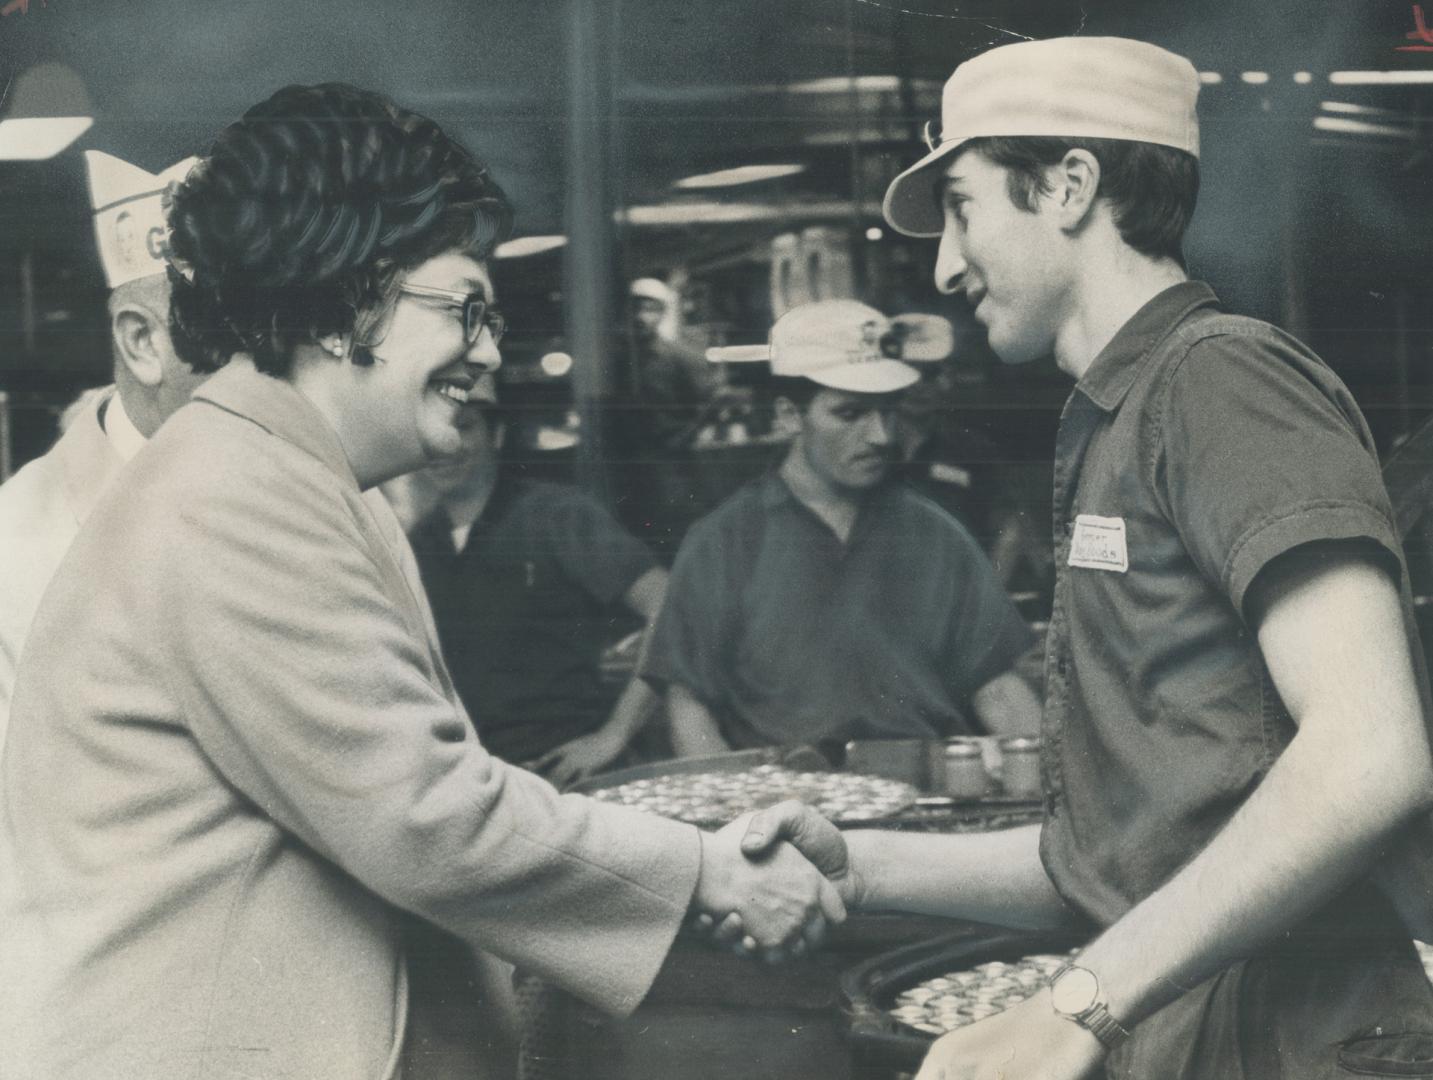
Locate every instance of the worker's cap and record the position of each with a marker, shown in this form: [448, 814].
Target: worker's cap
[1074, 87]
[128, 210]
[847, 345]
[649, 288]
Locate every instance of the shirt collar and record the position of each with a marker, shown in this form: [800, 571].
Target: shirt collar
[124, 438]
[277, 407]
[775, 492]
[1110, 376]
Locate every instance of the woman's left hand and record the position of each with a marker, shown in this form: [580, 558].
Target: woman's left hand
[578, 759]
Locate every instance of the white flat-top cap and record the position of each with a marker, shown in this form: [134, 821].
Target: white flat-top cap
[847, 345]
[1073, 87]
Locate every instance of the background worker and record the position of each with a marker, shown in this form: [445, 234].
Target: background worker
[826, 601]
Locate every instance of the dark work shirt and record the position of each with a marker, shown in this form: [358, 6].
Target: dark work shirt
[525, 609]
[790, 636]
[1197, 449]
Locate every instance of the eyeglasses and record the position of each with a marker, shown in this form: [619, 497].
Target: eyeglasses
[477, 313]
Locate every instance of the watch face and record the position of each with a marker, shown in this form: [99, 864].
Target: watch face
[1074, 990]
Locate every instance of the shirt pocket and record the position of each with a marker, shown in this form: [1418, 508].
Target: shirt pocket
[1407, 1053]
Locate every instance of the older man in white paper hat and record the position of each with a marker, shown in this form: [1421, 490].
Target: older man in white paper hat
[41, 507]
[826, 601]
[1235, 722]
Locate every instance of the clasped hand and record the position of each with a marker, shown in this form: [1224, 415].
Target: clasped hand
[1027, 1042]
[773, 882]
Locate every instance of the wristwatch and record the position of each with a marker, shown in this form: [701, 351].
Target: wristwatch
[1075, 994]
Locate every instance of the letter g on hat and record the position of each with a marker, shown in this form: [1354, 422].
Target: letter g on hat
[127, 203]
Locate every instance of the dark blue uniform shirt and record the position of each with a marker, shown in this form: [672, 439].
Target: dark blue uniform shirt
[524, 610]
[790, 636]
[1197, 449]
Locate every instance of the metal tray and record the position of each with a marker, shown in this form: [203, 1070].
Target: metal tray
[929, 813]
[801, 759]
[870, 988]
[734, 761]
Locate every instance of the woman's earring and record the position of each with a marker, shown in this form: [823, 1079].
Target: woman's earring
[337, 347]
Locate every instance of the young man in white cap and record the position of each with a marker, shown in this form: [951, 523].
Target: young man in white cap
[824, 601]
[41, 507]
[1235, 723]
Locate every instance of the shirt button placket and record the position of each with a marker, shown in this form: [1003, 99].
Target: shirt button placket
[1057, 697]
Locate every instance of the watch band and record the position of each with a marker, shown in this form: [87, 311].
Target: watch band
[1099, 1023]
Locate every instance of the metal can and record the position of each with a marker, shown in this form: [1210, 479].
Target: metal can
[1020, 768]
[965, 776]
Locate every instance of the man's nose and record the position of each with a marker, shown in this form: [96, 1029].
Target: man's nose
[949, 261]
[881, 427]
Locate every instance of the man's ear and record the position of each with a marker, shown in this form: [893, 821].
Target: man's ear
[786, 417]
[1076, 186]
[138, 339]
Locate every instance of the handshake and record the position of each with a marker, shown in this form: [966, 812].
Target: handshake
[773, 882]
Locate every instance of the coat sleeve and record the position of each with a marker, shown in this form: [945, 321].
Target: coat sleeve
[304, 686]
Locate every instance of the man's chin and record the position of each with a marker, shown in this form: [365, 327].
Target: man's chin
[444, 453]
[1016, 353]
[865, 479]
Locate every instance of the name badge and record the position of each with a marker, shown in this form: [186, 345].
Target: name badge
[1098, 543]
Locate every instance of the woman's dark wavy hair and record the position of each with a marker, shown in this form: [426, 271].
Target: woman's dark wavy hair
[1151, 189]
[304, 214]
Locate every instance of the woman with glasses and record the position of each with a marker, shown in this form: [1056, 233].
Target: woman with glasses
[236, 763]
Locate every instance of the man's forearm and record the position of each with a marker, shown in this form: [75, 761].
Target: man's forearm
[694, 730]
[1304, 833]
[1006, 705]
[1331, 633]
[986, 877]
[631, 712]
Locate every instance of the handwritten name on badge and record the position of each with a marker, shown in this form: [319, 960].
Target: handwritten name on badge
[1098, 543]
[20, 7]
[1420, 34]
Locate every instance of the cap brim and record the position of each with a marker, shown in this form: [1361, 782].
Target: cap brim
[867, 377]
[911, 205]
[738, 354]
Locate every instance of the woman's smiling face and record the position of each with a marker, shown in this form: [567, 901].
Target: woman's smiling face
[414, 399]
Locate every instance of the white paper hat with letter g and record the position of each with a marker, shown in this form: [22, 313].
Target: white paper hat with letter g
[128, 207]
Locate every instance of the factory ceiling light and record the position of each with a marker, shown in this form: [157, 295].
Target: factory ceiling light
[528, 245]
[742, 174]
[46, 110]
[1381, 78]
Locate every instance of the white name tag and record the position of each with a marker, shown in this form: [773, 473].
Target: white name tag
[1098, 543]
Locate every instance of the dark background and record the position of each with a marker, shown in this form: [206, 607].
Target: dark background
[1326, 232]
